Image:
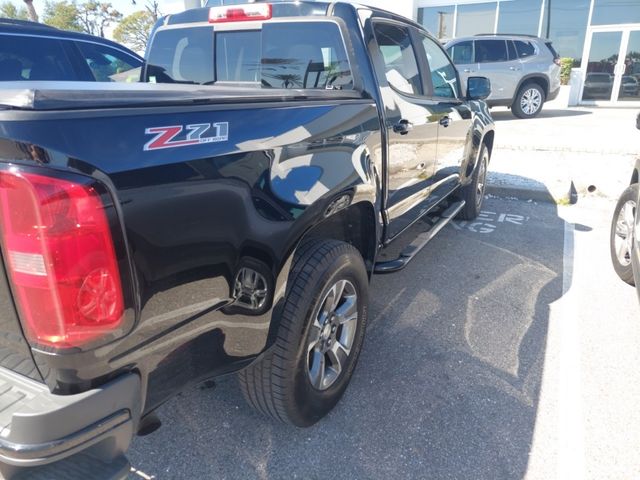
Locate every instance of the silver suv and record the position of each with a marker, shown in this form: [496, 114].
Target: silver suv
[524, 70]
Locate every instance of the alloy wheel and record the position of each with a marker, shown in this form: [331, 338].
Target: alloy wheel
[482, 179]
[531, 101]
[332, 334]
[624, 233]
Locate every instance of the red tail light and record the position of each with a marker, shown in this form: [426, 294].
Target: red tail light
[60, 258]
[241, 13]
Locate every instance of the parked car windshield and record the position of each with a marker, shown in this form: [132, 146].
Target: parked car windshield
[281, 55]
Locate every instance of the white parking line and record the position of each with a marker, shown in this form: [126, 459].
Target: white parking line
[557, 450]
[571, 460]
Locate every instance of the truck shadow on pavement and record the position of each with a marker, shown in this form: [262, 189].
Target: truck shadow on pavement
[502, 115]
[448, 382]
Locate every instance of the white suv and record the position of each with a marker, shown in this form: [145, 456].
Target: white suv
[524, 70]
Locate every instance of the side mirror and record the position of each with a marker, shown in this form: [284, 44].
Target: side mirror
[478, 88]
[638, 122]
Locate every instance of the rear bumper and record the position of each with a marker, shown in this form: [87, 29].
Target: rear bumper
[39, 428]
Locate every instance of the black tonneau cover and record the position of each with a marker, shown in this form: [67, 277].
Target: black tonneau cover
[80, 95]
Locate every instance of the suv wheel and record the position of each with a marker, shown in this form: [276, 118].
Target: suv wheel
[621, 238]
[528, 102]
[321, 331]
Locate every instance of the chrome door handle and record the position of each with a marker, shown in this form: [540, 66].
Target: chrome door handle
[515, 69]
[468, 70]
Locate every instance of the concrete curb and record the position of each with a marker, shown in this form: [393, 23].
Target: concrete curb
[566, 149]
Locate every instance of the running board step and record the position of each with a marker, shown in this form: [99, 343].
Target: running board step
[411, 250]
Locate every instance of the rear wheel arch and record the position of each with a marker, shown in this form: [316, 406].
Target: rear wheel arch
[541, 80]
[355, 225]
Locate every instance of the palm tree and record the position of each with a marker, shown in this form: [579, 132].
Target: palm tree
[33, 15]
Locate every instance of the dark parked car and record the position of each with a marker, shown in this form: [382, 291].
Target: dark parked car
[598, 86]
[625, 231]
[33, 51]
[629, 86]
[226, 217]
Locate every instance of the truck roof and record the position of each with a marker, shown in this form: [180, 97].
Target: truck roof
[287, 8]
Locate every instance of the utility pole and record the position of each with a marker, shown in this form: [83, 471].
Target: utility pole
[441, 26]
[548, 18]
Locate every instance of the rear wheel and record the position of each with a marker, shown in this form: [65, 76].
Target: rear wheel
[621, 237]
[528, 102]
[302, 377]
[473, 193]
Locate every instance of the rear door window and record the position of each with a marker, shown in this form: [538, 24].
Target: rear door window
[33, 58]
[525, 49]
[488, 51]
[280, 55]
[461, 53]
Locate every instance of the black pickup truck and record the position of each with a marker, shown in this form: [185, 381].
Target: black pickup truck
[224, 215]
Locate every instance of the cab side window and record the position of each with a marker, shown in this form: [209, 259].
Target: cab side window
[489, 51]
[443, 73]
[400, 63]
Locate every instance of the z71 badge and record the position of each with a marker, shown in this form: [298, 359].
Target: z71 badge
[173, 136]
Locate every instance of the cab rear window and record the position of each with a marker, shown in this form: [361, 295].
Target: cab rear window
[280, 55]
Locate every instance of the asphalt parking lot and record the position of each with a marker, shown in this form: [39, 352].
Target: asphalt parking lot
[506, 350]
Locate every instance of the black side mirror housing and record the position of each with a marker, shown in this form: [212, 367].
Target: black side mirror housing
[638, 122]
[478, 88]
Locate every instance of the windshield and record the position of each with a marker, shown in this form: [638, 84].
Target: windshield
[280, 55]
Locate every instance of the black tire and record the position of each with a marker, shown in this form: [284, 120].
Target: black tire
[473, 193]
[278, 384]
[532, 91]
[623, 269]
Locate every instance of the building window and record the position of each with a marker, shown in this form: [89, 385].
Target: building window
[520, 16]
[438, 21]
[476, 18]
[565, 23]
[610, 12]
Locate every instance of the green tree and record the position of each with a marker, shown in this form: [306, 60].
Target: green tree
[62, 14]
[134, 30]
[9, 10]
[94, 16]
